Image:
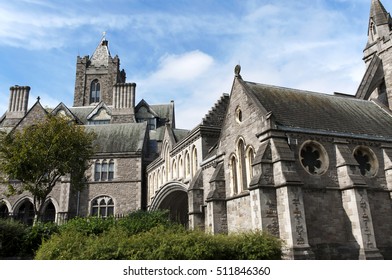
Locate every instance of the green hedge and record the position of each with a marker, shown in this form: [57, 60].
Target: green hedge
[159, 243]
[19, 241]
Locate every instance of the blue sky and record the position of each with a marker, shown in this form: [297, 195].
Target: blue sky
[184, 50]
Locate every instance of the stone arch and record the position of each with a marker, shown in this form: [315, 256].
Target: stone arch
[173, 197]
[5, 209]
[50, 210]
[24, 210]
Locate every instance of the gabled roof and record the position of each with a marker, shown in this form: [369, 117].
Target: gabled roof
[67, 111]
[34, 114]
[119, 138]
[303, 111]
[97, 108]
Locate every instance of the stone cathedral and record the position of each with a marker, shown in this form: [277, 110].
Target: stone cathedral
[312, 169]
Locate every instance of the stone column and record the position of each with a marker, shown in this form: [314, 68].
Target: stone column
[290, 205]
[196, 201]
[262, 192]
[63, 213]
[356, 202]
[216, 203]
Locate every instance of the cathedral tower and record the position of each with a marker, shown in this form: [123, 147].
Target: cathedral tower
[96, 77]
[377, 81]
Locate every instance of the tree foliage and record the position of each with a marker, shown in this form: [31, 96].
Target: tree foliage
[37, 156]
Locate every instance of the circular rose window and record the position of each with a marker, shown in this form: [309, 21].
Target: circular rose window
[313, 157]
[367, 160]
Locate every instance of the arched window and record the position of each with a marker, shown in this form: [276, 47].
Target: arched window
[249, 162]
[241, 165]
[233, 175]
[102, 206]
[25, 212]
[95, 92]
[4, 213]
[163, 175]
[49, 214]
[194, 161]
[174, 170]
[180, 167]
[187, 164]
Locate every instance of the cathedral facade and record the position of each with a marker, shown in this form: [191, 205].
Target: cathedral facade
[312, 169]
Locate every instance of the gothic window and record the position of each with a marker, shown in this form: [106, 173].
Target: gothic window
[103, 171]
[367, 161]
[249, 162]
[174, 170]
[3, 210]
[102, 206]
[238, 115]
[49, 212]
[313, 158]
[180, 167]
[194, 161]
[242, 177]
[374, 28]
[95, 92]
[25, 212]
[233, 175]
[187, 165]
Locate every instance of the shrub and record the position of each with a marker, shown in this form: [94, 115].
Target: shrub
[12, 235]
[36, 234]
[161, 242]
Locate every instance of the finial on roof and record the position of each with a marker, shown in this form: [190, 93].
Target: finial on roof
[237, 70]
[38, 98]
[104, 35]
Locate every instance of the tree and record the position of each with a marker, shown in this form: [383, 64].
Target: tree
[38, 155]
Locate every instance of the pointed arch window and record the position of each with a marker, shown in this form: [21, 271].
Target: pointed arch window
[95, 92]
[25, 213]
[194, 161]
[249, 163]
[49, 212]
[241, 165]
[4, 213]
[187, 164]
[233, 175]
[102, 206]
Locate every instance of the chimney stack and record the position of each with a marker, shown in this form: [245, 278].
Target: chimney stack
[19, 99]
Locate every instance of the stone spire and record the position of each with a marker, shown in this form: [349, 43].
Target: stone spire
[101, 54]
[380, 22]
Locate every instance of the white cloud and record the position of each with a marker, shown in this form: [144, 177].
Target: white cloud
[182, 68]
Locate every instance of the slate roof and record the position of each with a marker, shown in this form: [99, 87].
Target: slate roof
[306, 110]
[164, 111]
[119, 138]
[82, 112]
[217, 113]
[180, 133]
